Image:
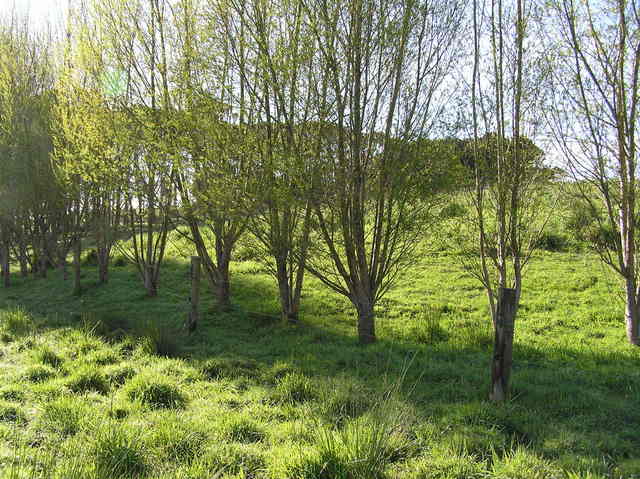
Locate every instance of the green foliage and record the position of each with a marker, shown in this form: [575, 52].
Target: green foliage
[155, 391]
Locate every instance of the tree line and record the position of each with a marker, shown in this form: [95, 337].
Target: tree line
[333, 133]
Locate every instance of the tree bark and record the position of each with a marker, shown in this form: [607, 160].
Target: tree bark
[103, 265]
[77, 251]
[366, 322]
[632, 312]
[221, 286]
[192, 321]
[149, 281]
[503, 344]
[6, 272]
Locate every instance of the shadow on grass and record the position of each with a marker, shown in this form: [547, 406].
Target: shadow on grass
[579, 401]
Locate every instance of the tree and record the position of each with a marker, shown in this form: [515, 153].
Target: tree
[276, 78]
[595, 121]
[507, 214]
[380, 67]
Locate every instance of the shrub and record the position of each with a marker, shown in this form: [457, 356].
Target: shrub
[91, 258]
[87, 379]
[39, 373]
[16, 321]
[48, 357]
[63, 416]
[551, 241]
[230, 368]
[117, 454]
[155, 391]
[294, 388]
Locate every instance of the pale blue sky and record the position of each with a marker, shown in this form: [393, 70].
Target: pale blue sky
[39, 11]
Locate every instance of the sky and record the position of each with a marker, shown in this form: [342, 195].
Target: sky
[39, 12]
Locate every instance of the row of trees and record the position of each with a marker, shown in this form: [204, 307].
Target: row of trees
[310, 125]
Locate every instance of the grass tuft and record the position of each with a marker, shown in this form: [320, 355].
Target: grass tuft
[155, 391]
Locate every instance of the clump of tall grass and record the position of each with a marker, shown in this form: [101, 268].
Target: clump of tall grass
[159, 340]
[231, 368]
[119, 454]
[88, 378]
[16, 321]
[48, 357]
[155, 391]
[294, 388]
[361, 449]
[63, 416]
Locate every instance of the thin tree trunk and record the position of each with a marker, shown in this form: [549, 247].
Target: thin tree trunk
[192, 321]
[77, 250]
[149, 281]
[6, 272]
[103, 265]
[632, 312]
[503, 344]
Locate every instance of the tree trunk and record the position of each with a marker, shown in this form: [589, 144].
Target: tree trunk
[503, 344]
[366, 322]
[6, 272]
[149, 281]
[103, 265]
[192, 321]
[222, 288]
[288, 302]
[24, 266]
[77, 250]
[632, 312]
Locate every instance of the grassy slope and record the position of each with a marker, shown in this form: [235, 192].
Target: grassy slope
[250, 398]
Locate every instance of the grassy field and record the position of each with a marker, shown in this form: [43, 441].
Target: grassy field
[106, 385]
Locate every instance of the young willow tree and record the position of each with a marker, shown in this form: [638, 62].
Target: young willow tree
[507, 213]
[596, 121]
[29, 193]
[132, 40]
[275, 69]
[379, 71]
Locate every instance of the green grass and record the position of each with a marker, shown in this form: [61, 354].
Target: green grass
[108, 385]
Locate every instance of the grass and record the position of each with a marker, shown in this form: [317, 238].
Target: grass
[107, 385]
